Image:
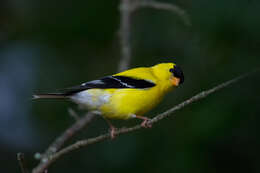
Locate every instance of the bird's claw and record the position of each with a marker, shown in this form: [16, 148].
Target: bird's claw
[112, 132]
[146, 123]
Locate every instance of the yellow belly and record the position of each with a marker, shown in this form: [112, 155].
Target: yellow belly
[119, 103]
[126, 102]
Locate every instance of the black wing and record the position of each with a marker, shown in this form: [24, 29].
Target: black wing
[111, 82]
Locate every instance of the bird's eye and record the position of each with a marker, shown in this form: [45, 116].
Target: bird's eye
[171, 70]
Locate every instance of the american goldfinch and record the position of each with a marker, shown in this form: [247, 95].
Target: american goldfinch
[125, 95]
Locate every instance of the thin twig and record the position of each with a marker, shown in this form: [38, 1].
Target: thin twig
[124, 33]
[73, 114]
[21, 160]
[126, 8]
[163, 6]
[87, 142]
[70, 132]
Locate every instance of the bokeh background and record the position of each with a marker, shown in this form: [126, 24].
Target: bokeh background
[48, 44]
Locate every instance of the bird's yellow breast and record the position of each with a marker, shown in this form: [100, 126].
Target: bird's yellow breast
[127, 102]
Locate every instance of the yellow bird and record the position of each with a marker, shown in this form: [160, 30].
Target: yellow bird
[125, 95]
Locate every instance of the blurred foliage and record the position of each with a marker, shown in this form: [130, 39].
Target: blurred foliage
[46, 45]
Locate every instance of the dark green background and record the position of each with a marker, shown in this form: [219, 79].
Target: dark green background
[48, 44]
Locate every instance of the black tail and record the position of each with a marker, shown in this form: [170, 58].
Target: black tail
[49, 96]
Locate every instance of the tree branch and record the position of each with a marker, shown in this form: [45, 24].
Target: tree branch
[84, 143]
[73, 114]
[163, 6]
[125, 9]
[21, 160]
[69, 133]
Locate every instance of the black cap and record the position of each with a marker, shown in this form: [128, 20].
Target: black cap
[177, 72]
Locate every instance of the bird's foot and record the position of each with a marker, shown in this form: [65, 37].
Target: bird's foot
[113, 132]
[146, 123]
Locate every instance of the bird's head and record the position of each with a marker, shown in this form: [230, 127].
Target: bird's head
[170, 72]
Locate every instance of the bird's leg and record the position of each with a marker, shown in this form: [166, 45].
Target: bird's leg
[145, 122]
[112, 129]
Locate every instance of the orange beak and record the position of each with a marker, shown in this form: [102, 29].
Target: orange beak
[175, 81]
